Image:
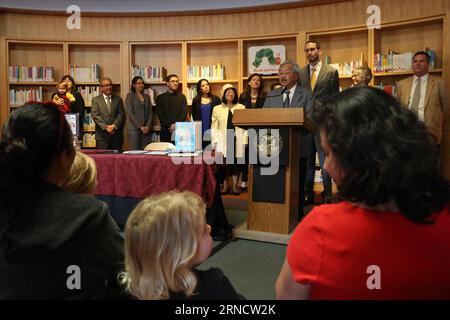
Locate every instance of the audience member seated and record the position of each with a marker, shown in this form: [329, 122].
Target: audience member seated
[54, 244]
[166, 237]
[388, 238]
[82, 175]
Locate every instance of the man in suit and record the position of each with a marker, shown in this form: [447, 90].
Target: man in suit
[108, 114]
[171, 107]
[425, 95]
[323, 80]
[292, 95]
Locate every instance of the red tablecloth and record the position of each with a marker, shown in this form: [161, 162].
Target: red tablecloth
[139, 176]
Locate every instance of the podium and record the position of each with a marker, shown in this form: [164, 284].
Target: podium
[277, 218]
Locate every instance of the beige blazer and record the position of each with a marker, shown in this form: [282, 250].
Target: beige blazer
[435, 104]
[219, 130]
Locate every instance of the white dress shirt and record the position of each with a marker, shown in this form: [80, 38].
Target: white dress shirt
[423, 90]
[291, 94]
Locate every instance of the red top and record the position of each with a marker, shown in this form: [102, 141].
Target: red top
[334, 247]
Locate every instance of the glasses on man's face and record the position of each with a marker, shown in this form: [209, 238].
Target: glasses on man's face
[310, 49]
[107, 85]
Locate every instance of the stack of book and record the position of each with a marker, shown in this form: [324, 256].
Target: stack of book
[398, 62]
[19, 97]
[89, 74]
[89, 140]
[149, 73]
[30, 74]
[211, 72]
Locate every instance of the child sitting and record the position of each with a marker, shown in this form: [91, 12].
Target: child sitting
[82, 176]
[63, 98]
[166, 237]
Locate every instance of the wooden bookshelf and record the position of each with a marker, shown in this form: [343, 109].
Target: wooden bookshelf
[34, 53]
[409, 36]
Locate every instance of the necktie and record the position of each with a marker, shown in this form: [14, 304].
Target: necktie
[416, 97]
[108, 103]
[313, 78]
[287, 101]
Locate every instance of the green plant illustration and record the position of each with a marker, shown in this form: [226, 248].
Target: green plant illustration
[268, 53]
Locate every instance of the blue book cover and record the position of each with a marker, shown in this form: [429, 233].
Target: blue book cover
[188, 136]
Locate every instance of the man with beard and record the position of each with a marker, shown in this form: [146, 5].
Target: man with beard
[323, 80]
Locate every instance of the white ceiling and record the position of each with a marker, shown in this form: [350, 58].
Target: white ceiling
[137, 5]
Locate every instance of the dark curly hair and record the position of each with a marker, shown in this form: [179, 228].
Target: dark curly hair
[32, 137]
[387, 154]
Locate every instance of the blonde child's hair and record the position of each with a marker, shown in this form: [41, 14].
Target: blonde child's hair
[61, 84]
[161, 239]
[83, 175]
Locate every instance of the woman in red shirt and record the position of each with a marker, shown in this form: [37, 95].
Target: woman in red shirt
[389, 238]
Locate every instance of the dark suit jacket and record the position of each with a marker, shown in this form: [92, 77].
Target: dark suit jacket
[302, 98]
[327, 83]
[196, 107]
[102, 117]
[135, 112]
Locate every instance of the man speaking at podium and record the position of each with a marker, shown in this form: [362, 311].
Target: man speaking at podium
[292, 95]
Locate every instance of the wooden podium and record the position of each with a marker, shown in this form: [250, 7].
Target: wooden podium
[279, 218]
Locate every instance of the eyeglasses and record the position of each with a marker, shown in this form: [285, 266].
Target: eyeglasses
[310, 49]
[107, 85]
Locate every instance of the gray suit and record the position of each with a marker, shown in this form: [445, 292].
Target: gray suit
[327, 85]
[102, 117]
[139, 114]
[302, 98]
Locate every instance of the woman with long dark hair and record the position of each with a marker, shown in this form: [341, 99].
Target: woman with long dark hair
[54, 244]
[139, 113]
[389, 236]
[202, 108]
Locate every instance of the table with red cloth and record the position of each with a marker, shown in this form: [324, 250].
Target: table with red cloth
[125, 179]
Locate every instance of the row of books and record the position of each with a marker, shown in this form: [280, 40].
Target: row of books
[19, 97]
[82, 74]
[30, 74]
[397, 62]
[211, 72]
[89, 92]
[149, 73]
[345, 69]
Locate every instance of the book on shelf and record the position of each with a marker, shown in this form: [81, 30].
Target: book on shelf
[345, 69]
[191, 93]
[89, 140]
[88, 122]
[391, 89]
[20, 97]
[149, 73]
[432, 55]
[151, 93]
[188, 136]
[30, 74]
[85, 74]
[211, 72]
[89, 92]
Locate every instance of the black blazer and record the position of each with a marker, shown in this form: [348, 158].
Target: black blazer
[246, 100]
[196, 107]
